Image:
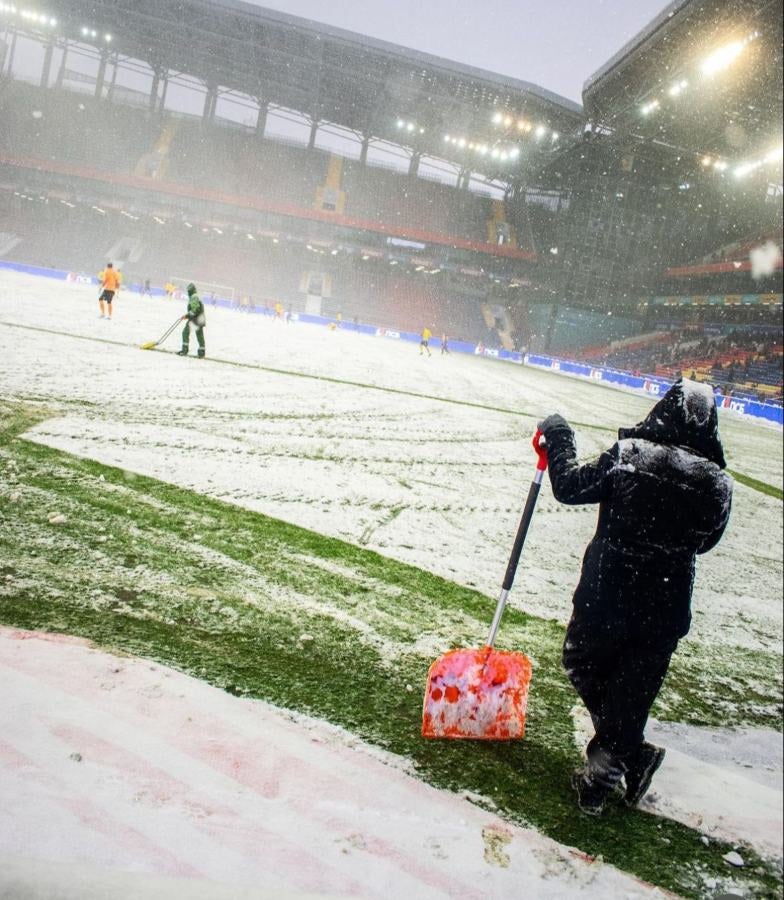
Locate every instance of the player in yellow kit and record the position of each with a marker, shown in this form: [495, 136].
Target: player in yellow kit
[424, 344]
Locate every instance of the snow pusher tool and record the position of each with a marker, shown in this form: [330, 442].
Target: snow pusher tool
[151, 345]
[482, 694]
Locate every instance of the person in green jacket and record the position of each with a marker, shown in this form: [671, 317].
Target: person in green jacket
[196, 316]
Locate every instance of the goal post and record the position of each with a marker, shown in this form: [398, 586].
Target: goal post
[206, 289]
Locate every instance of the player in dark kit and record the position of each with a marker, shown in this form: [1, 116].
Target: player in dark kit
[194, 315]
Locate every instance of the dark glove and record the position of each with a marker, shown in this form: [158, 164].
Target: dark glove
[551, 423]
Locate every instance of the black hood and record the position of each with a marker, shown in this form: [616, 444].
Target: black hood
[684, 417]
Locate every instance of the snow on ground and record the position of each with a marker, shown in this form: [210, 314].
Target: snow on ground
[233, 794]
[436, 484]
[725, 783]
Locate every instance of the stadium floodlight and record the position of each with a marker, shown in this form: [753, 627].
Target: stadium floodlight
[503, 155]
[746, 168]
[400, 123]
[721, 165]
[540, 131]
[508, 121]
[678, 88]
[483, 150]
[494, 153]
[555, 136]
[447, 138]
[410, 126]
[497, 118]
[775, 155]
[461, 143]
[514, 152]
[649, 107]
[250, 237]
[107, 38]
[707, 160]
[725, 56]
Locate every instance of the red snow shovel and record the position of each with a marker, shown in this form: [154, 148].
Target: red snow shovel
[482, 694]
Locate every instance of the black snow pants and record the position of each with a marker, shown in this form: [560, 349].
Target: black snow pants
[617, 681]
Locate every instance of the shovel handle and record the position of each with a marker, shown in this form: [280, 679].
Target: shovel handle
[522, 531]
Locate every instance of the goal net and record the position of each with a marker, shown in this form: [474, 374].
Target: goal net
[207, 289]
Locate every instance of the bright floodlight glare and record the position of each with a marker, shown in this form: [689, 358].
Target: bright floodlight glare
[514, 152]
[494, 154]
[447, 138]
[706, 160]
[722, 58]
[555, 135]
[775, 155]
[746, 168]
[508, 121]
[540, 130]
[107, 38]
[721, 165]
[400, 123]
[461, 143]
[497, 118]
[410, 126]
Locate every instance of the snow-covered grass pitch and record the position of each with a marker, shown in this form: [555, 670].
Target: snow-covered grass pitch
[309, 517]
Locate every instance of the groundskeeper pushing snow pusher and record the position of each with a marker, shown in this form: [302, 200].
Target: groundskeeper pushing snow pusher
[194, 316]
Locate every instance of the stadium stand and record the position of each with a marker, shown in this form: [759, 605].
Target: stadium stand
[590, 210]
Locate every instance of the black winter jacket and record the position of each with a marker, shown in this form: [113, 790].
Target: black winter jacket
[662, 499]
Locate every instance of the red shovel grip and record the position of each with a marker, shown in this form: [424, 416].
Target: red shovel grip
[541, 451]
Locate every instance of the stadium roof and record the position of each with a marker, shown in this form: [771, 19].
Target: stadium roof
[705, 75]
[360, 83]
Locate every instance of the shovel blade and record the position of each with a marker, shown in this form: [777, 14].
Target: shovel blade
[477, 695]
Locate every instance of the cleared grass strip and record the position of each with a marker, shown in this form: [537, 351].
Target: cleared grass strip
[265, 609]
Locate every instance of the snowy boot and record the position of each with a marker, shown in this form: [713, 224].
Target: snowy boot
[183, 352]
[202, 353]
[597, 781]
[640, 773]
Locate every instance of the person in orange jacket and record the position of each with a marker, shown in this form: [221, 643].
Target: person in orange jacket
[110, 284]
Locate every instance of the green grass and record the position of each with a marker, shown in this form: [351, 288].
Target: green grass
[763, 487]
[225, 594]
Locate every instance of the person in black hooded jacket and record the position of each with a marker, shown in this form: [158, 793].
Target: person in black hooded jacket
[663, 498]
